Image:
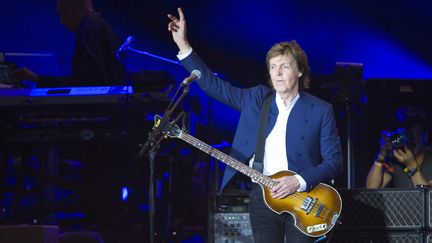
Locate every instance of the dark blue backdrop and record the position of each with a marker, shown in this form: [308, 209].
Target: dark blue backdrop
[391, 38]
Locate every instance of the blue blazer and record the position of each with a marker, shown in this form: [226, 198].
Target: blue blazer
[312, 141]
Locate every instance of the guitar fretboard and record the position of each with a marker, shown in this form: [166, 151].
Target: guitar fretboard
[237, 165]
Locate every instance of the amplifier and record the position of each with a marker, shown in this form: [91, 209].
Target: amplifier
[391, 209]
[429, 237]
[229, 219]
[377, 237]
[429, 210]
[232, 227]
[232, 203]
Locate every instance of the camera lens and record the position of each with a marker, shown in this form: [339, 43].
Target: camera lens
[398, 138]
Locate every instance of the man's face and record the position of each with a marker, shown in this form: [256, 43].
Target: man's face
[284, 74]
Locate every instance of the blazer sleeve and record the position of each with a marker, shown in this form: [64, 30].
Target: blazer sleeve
[215, 87]
[331, 164]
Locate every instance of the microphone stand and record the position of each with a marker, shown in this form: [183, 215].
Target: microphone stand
[153, 144]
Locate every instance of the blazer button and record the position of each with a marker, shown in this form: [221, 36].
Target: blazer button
[299, 155]
[306, 121]
[302, 137]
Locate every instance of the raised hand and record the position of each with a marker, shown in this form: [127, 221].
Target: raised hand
[177, 27]
[405, 156]
[385, 145]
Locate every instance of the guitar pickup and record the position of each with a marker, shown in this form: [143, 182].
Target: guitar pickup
[308, 204]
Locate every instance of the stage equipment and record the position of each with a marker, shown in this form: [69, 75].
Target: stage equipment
[390, 215]
[383, 209]
[228, 219]
[58, 125]
[378, 237]
[349, 76]
[156, 136]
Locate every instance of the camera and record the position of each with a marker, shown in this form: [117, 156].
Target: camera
[399, 138]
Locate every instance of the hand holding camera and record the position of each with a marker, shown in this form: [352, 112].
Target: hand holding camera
[385, 146]
[405, 156]
[396, 144]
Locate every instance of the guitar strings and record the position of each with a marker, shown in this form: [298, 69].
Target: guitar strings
[218, 154]
[206, 148]
[315, 207]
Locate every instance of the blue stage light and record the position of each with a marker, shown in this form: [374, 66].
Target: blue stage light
[125, 193]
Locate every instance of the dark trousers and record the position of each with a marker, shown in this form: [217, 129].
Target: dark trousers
[270, 227]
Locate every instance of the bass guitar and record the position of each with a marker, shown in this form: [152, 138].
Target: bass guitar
[315, 212]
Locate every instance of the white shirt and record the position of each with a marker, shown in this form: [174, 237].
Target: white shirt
[275, 157]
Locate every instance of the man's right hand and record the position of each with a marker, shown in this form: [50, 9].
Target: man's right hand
[177, 27]
[25, 74]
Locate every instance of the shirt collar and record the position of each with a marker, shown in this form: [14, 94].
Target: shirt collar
[281, 106]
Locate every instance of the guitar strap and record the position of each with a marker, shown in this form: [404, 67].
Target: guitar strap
[259, 151]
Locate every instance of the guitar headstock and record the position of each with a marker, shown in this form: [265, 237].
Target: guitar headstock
[171, 130]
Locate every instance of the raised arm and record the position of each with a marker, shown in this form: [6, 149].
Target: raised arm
[178, 29]
[377, 176]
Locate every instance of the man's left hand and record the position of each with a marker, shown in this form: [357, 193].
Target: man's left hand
[286, 186]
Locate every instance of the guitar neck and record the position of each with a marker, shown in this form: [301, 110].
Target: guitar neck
[255, 175]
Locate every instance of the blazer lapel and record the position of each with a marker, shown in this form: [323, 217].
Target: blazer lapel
[272, 115]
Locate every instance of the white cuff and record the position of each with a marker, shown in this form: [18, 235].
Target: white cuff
[302, 183]
[184, 55]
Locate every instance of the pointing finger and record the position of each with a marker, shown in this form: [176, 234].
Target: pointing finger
[181, 15]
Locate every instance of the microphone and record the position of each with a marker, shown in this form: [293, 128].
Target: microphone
[195, 74]
[126, 44]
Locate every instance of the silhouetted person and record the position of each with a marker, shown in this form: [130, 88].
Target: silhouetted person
[94, 61]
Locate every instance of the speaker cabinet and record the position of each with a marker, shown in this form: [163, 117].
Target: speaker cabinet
[429, 237]
[429, 210]
[383, 209]
[377, 237]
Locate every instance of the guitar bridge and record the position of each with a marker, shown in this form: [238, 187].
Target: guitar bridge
[318, 212]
